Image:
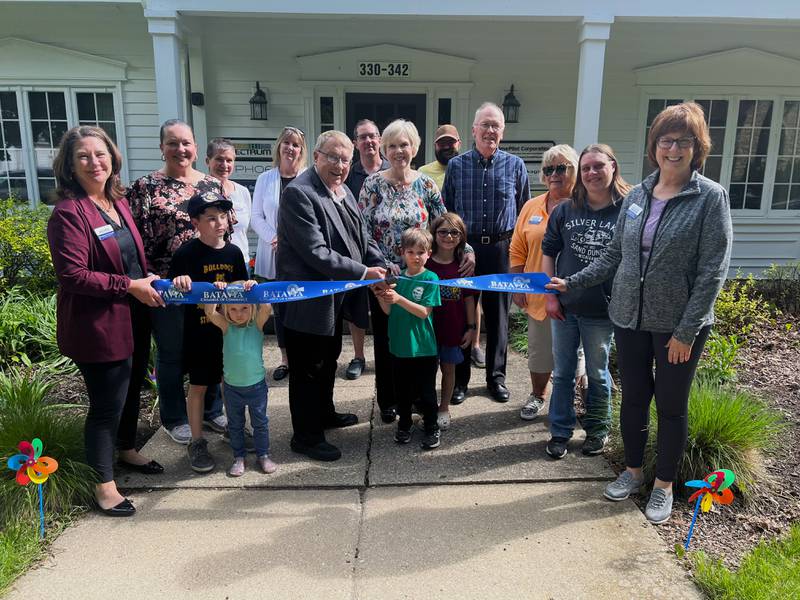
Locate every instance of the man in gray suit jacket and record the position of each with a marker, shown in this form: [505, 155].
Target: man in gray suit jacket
[321, 236]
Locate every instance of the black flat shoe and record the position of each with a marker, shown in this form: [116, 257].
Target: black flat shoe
[123, 509]
[280, 373]
[499, 392]
[340, 420]
[151, 468]
[459, 395]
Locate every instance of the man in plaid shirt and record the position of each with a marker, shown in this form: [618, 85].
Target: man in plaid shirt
[486, 187]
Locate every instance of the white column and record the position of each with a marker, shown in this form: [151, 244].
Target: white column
[593, 35]
[165, 29]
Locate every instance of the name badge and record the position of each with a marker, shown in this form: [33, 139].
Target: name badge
[104, 232]
[634, 210]
[535, 220]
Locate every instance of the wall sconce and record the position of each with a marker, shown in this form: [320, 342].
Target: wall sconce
[258, 105]
[511, 107]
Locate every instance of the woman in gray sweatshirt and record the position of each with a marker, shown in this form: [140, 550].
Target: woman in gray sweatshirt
[669, 259]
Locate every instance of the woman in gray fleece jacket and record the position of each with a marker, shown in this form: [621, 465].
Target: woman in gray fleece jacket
[669, 258]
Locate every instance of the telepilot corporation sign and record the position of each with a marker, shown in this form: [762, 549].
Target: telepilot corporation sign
[253, 157]
[530, 151]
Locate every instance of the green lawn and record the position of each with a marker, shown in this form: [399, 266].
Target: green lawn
[770, 571]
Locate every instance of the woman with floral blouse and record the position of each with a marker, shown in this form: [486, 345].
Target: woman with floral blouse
[158, 203]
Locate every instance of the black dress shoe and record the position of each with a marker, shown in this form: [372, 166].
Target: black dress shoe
[459, 395]
[123, 509]
[320, 451]
[499, 392]
[340, 420]
[151, 468]
[388, 415]
[280, 373]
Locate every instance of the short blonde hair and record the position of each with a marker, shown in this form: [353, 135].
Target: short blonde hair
[688, 117]
[397, 129]
[225, 308]
[333, 135]
[565, 151]
[416, 236]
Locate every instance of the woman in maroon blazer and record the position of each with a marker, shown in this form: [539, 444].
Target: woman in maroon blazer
[102, 297]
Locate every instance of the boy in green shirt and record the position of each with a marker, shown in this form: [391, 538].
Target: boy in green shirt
[412, 341]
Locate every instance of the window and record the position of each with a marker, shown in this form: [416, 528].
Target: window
[325, 113]
[445, 109]
[12, 169]
[32, 123]
[755, 150]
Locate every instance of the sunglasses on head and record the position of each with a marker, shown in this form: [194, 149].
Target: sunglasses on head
[294, 130]
[557, 169]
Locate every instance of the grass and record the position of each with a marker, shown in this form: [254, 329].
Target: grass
[728, 429]
[770, 570]
[518, 332]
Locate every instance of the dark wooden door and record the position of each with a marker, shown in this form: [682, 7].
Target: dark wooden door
[385, 108]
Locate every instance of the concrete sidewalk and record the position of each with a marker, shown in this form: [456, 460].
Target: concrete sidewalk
[486, 515]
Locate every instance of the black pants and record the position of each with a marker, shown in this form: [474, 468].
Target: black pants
[636, 352]
[416, 383]
[385, 390]
[490, 259]
[312, 372]
[140, 317]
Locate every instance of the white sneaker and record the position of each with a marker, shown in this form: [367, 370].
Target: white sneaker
[218, 424]
[444, 421]
[180, 434]
[531, 409]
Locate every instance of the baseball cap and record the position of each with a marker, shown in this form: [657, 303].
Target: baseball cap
[199, 202]
[445, 131]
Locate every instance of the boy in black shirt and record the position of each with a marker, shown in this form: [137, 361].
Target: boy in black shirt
[205, 258]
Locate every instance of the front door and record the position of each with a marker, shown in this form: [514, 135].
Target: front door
[385, 108]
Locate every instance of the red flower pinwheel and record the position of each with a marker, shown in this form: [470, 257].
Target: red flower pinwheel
[31, 466]
[714, 487]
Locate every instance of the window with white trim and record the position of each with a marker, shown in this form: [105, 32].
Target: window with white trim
[33, 122]
[755, 150]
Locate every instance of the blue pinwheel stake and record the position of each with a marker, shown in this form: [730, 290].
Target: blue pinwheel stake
[31, 466]
[714, 487]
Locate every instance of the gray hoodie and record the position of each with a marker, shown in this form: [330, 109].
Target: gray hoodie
[674, 291]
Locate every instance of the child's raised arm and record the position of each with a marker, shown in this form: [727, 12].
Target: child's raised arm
[262, 314]
[392, 297]
[215, 317]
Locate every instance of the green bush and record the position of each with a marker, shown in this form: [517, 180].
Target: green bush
[25, 414]
[780, 285]
[518, 331]
[728, 429]
[24, 253]
[720, 357]
[769, 571]
[740, 308]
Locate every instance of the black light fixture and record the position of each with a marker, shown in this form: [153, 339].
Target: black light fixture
[511, 107]
[258, 105]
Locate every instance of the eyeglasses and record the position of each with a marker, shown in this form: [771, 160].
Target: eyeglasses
[335, 160]
[491, 126]
[294, 130]
[368, 136]
[557, 169]
[454, 233]
[665, 143]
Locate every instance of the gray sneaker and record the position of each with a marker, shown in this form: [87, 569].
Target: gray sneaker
[625, 485]
[531, 408]
[180, 434]
[200, 459]
[659, 507]
[218, 424]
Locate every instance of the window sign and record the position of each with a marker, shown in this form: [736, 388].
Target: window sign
[253, 157]
[530, 151]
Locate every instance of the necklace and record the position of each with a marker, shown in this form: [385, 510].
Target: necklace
[104, 208]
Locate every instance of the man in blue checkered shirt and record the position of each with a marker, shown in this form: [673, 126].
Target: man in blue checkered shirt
[487, 187]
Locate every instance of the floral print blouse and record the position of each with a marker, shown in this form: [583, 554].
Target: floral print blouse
[388, 210]
[158, 204]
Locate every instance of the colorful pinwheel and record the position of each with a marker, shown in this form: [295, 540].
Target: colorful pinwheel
[714, 487]
[31, 466]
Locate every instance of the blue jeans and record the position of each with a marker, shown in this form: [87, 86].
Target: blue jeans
[168, 333]
[567, 335]
[254, 397]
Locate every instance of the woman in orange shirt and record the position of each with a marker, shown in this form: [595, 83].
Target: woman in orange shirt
[559, 173]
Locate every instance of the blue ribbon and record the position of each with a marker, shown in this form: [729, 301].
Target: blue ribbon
[276, 292]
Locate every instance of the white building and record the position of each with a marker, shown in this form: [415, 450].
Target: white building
[583, 71]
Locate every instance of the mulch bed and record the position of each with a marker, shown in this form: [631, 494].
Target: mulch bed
[769, 367]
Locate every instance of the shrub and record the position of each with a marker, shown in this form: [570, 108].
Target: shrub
[728, 429]
[781, 286]
[770, 570]
[25, 414]
[24, 253]
[720, 357]
[740, 308]
[518, 331]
